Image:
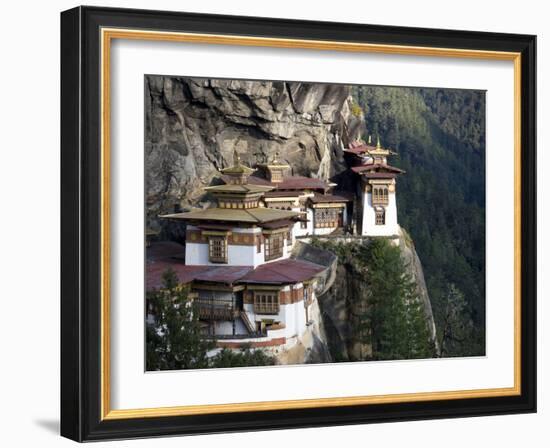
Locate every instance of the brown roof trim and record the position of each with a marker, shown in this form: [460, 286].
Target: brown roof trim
[320, 198]
[277, 224]
[377, 167]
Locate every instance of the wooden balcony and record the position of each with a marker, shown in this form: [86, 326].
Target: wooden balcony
[266, 308]
[212, 309]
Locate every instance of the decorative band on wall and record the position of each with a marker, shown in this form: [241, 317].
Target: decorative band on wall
[271, 343]
[234, 239]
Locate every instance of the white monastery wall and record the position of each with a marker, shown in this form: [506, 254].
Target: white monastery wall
[369, 227]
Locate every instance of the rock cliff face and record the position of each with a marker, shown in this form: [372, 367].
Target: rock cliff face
[192, 127]
[409, 255]
[346, 290]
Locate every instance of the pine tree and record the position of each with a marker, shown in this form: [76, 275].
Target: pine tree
[173, 340]
[440, 137]
[457, 325]
[246, 357]
[392, 320]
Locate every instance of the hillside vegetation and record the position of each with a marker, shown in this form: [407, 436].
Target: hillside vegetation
[439, 135]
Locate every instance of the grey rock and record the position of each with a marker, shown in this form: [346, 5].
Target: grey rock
[193, 125]
[343, 295]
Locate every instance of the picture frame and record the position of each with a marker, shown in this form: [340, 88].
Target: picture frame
[86, 37]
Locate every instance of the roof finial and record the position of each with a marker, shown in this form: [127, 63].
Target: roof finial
[276, 157]
[378, 145]
[236, 158]
[370, 139]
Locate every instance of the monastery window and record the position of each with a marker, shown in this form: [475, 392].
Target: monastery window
[217, 249]
[266, 302]
[289, 238]
[274, 246]
[326, 217]
[380, 195]
[380, 217]
[276, 176]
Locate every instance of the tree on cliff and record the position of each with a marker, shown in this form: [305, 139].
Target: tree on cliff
[440, 137]
[243, 358]
[457, 326]
[173, 340]
[391, 318]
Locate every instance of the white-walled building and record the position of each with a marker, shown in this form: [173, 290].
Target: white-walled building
[376, 189]
[247, 289]
[321, 212]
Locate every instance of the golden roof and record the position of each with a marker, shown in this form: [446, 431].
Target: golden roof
[275, 162]
[245, 188]
[252, 216]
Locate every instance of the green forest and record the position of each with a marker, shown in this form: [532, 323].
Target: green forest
[439, 136]
[385, 313]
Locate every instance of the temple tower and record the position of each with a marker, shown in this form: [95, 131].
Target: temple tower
[376, 189]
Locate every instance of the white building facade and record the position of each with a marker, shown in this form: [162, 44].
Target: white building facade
[237, 262]
[376, 189]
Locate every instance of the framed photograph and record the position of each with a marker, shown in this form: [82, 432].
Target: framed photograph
[277, 224]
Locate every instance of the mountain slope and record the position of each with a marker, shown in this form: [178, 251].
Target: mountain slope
[439, 135]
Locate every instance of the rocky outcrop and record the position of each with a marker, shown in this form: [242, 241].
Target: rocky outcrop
[409, 255]
[194, 125]
[341, 301]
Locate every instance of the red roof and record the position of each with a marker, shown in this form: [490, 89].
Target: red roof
[165, 249]
[317, 198]
[188, 273]
[154, 272]
[301, 183]
[277, 272]
[377, 167]
[284, 271]
[160, 258]
[223, 274]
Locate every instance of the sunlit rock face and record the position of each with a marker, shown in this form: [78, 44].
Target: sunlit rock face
[193, 126]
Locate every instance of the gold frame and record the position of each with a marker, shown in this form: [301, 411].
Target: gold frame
[107, 35]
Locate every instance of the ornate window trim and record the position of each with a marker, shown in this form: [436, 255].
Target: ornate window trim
[380, 194]
[266, 302]
[217, 249]
[380, 216]
[274, 246]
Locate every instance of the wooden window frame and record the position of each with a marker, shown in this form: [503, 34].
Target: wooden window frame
[215, 258]
[326, 217]
[380, 217]
[270, 253]
[380, 194]
[266, 302]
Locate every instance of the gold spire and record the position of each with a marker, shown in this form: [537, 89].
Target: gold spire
[370, 139]
[238, 172]
[236, 158]
[378, 146]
